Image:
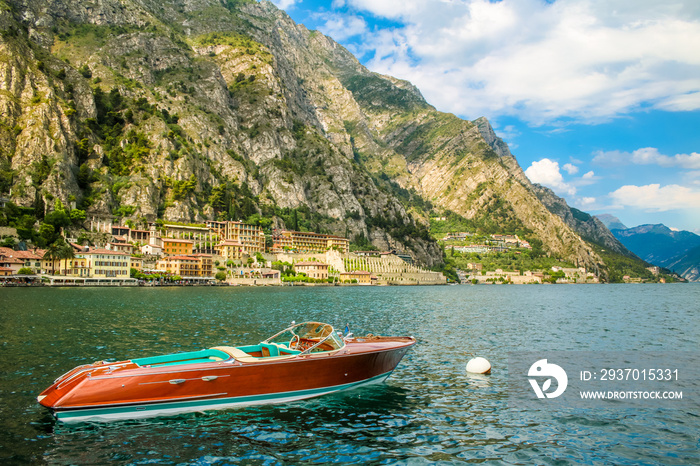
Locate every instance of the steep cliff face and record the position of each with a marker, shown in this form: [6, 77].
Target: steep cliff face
[587, 226]
[457, 165]
[185, 110]
[196, 109]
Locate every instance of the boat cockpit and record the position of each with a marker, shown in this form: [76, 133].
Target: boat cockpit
[303, 338]
[308, 337]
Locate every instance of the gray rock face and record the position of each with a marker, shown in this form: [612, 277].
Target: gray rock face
[205, 96]
[489, 135]
[209, 109]
[588, 226]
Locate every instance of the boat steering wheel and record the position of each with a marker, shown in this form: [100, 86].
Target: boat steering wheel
[292, 342]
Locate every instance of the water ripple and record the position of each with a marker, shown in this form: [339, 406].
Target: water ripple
[429, 412]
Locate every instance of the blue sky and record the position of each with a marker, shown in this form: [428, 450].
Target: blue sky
[598, 100]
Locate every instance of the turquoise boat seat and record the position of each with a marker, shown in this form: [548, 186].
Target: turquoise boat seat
[267, 350]
[192, 357]
[251, 352]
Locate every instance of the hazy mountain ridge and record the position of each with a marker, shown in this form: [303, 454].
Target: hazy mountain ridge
[611, 222]
[659, 245]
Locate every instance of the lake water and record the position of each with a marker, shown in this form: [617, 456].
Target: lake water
[429, 411]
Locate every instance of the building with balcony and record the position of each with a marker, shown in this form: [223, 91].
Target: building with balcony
[203, 238]
[251, 237]
[130, 234]
[303, 241]
[230, 250]
[187, 266]
[98, 263]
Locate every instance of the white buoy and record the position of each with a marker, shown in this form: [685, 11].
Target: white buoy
[479, 366]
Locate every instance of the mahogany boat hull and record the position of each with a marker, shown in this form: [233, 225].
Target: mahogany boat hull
[125, 390]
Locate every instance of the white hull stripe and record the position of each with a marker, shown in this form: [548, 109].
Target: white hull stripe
[170, 408]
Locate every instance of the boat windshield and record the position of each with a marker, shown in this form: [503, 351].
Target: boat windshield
[309, 337]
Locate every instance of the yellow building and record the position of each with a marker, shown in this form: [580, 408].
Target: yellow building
[230, 250]
[251, 237]
[174, 246]
[192, 266]
[99, 263]
[304, 241]
[207, 264]
[312, 269]
[137, 263]
[361, 276]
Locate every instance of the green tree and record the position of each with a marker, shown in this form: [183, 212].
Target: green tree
[77, 216]
[52, 254]
[65, 252]
[8, 242]
[25, 271]
[221, 276]
[218, 198]
[84, 176]
[25, 227]
[85, 71]
[58, 218]
[47, 233]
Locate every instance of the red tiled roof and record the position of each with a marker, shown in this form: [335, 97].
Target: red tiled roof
[22, 254]
[11, 260]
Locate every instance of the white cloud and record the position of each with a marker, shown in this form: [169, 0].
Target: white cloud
[284, 4]
[587, 202]
[570, 168]
[647, 156]
[342, 27]
[656, 198]
[586, 179]
[546, 172]
[542, 61]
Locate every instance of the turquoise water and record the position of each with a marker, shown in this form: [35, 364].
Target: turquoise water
[430, 411]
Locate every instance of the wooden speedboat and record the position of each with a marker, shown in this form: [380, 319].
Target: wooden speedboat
[303, 361]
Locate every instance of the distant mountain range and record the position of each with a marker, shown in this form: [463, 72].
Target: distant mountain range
[678, 251]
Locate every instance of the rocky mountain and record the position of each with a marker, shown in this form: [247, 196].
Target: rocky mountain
[589, 227]
[195, 109]
[687, 265]
[678, 251]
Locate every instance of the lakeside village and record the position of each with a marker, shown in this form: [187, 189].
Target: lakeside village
[237, 253]
[215, 253]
